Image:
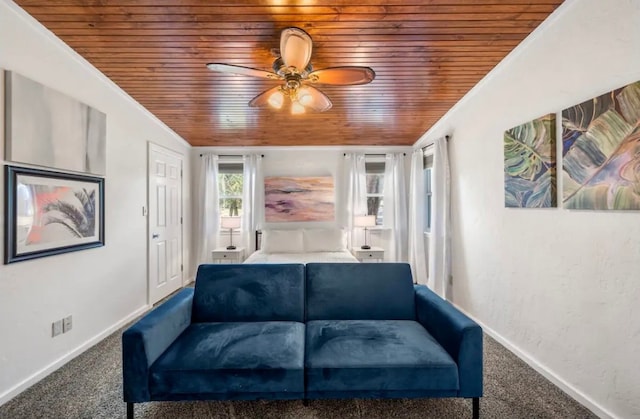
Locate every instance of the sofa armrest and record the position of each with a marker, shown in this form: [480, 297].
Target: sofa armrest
[460, 336]
[148, 338]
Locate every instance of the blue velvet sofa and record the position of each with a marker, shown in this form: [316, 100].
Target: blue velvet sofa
[290, 331]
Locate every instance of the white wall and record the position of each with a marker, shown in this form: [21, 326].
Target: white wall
[306, 161]
[559, 287]
[100, 287]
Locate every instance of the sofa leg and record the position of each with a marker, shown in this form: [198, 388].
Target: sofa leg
[305, 402]
[129, 410]
[476, 407]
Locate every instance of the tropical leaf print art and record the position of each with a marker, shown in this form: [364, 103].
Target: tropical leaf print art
[530, 164]
[79, 220]
[601, 152]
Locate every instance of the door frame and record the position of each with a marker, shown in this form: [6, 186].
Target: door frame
[151, 147]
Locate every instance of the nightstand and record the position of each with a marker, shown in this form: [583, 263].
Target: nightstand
[224, 255]
[363, 255]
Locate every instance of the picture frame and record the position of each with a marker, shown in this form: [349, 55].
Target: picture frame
[49, 213]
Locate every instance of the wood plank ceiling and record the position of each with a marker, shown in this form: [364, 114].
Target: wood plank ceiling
[426, 54]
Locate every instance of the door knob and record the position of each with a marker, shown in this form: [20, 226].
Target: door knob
[155, 236]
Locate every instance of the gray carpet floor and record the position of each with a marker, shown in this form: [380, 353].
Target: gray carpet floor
[90, 386]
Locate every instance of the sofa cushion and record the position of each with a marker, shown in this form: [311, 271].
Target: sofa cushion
[211, 358]
[360, 291]
[245, 293]
[366, 355]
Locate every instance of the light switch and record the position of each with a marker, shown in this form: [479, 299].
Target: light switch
[67, 324]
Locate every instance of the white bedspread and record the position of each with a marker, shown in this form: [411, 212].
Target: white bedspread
[335, 257]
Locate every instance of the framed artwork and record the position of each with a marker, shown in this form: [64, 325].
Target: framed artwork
[530, 164]
[601, 152]
[47, 128]
[48, 213]
[298, 199]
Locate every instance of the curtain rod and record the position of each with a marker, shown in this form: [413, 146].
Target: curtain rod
[446, 137]
[404, 154]
[232, 155]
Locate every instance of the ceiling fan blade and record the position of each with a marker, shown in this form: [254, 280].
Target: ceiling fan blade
[343, 76]
[310, 97]
[295, 48]
[263, 98]
[243, 71]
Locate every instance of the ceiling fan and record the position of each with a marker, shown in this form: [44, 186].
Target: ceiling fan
[294, 69]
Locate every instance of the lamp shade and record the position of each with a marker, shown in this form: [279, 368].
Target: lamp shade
[364, 220]
[230, 222]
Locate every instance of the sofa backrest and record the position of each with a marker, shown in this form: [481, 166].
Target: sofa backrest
[359, 291]
[252, 292]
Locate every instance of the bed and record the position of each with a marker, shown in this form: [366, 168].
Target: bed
[301, 246]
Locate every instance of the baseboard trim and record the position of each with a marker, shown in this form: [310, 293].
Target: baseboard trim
[559, 382]
[39, 375]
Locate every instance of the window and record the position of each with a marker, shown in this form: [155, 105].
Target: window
[230, 188]
[428, 165]
[375, 188]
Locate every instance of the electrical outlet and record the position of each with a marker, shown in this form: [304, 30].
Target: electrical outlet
[67, 324]
[56, 328]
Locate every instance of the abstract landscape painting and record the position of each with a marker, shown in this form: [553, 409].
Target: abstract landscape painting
[601, 152]
[51, 213]
[530, 164]
[298, 199]
[48, 128]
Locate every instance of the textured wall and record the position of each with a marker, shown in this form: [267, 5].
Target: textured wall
[562, 286]
[100, 287]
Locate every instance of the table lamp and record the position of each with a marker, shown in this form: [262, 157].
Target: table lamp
[230, 223]
[364, 221]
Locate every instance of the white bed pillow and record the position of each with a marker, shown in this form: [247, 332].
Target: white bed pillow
[282, 241]
[324, 240]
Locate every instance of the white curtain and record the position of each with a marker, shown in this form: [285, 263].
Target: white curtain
[208, 211]
[440, 237]
[395, 207]
[417, 191]
[356, 198]
[252, 200]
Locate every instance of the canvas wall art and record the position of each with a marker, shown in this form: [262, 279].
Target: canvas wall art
[601, 152]
[530, 164]
[50, 213]
[47, 128]
[299, 199]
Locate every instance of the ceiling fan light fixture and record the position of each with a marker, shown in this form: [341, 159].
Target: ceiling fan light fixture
[299, 81]
[304, 96]
[276, 99]
[296, 108]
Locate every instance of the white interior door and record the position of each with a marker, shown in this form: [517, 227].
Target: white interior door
[165, 222]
